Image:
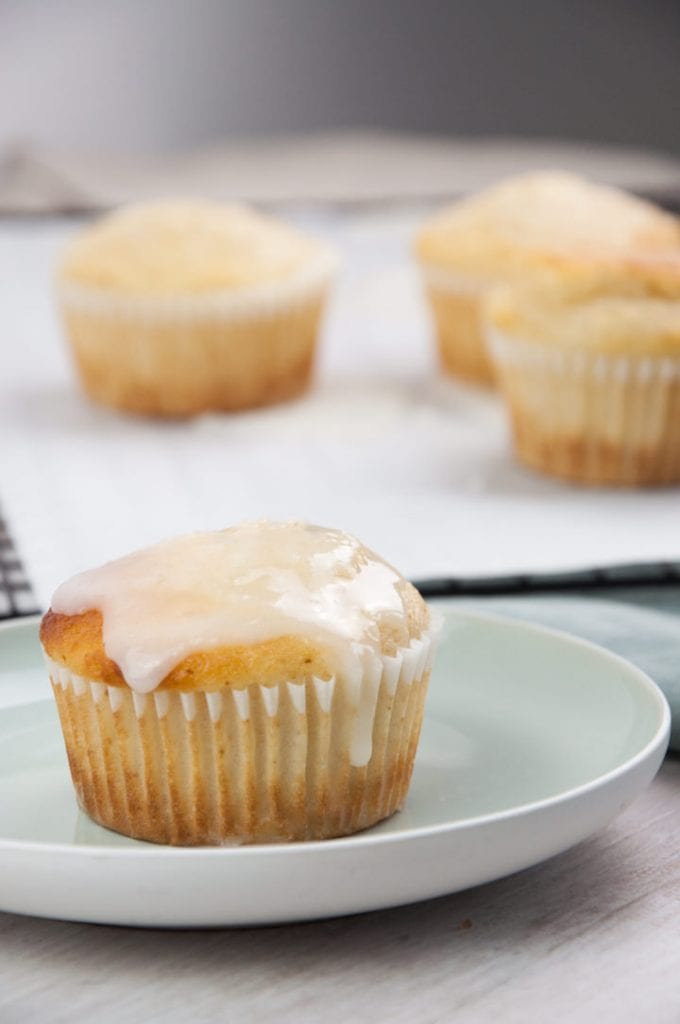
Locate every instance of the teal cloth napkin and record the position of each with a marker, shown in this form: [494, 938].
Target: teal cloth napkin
[640, 623]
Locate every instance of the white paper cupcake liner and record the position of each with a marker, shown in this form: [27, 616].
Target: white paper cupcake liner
[591, 417]
[266, 763]
[185, 355]
[455, 300]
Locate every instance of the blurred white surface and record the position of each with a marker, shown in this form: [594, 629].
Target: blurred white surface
[420, 469]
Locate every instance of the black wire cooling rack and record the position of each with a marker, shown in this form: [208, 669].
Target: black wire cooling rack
[16, 596]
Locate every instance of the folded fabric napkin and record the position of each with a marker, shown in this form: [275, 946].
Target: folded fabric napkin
[640, 623]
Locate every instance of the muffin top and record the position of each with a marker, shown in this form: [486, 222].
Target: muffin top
[261, 602]
[620, 306]
[186, 247]
[520, 223]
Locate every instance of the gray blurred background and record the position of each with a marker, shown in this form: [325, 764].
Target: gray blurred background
[158, 75]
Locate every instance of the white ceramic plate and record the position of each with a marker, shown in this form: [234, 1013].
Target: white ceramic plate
[532, 741]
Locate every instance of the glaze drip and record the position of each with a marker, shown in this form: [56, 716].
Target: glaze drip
[242, 585]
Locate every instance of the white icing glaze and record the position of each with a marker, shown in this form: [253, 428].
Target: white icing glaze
[243, 585]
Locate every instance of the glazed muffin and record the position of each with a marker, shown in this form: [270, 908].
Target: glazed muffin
[257, 684]
[589, 363]
[509, 234]
[178, 308]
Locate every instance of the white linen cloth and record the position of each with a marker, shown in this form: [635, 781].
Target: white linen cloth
[418, 468]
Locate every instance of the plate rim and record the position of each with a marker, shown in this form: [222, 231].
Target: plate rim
[657, 744]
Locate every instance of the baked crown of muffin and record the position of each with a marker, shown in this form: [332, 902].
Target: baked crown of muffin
[186, 247]
[517, 224]
[259, 603]
[627, 306]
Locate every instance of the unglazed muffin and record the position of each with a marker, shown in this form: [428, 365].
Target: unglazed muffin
[257, 684]
[589, 364]
[509, 234]
[176, 308]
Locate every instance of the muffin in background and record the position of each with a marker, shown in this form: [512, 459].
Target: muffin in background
[264, 683]
[510, 233]
[181, 307]
[588, 360]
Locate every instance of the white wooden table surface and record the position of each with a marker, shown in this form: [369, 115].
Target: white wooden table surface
[592, 935]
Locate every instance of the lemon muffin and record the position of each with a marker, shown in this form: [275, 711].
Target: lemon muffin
[176, 308]
[511, 232]
[261, 683]
[589, 363]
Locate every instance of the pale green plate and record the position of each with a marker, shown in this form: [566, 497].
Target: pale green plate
[532, 741]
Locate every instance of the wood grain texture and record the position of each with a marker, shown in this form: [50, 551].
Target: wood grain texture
[592, 935]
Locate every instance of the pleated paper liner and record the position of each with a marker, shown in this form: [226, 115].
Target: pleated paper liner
[292, 761]
[456, 304]
[591, 417]
[177, 356]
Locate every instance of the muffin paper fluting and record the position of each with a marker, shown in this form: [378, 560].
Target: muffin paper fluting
[292, 761]
[179, 355]
[456, 304]
[591, 417]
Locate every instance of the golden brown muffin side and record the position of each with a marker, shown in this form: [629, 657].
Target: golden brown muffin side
[76, 641]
